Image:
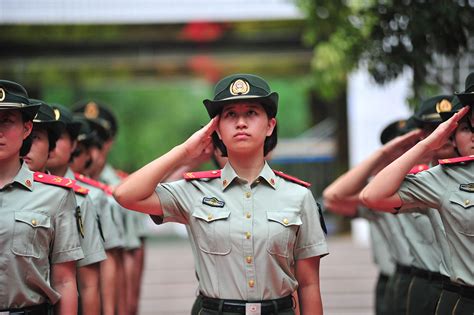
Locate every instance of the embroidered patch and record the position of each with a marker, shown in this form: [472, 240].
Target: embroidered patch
[213, 202]
[467, 187]
[80, 224]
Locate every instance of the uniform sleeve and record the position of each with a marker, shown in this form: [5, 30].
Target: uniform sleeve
[91, 242]
[310, 241]
[175, 201]
[423, 190]
[66, 245]
[111, 232]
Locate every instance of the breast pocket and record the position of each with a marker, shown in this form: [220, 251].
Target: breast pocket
[211, 229]
[282, 228]
[31, 233]
[463, 211]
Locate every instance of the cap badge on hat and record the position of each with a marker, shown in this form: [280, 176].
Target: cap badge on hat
[57, 114]
[402, 124]
[239, 87]
[91, 111]
[2, 94]
[444, 106]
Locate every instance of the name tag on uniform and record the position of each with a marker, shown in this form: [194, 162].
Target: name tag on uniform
[253, 308]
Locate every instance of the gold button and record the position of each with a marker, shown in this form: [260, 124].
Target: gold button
[209, 216]
[33, 222]
[248, 259]
[272, 181]
[467, 202]
[214, 172]
[257, 181]
[251, 283]
[285, 221]
[40, 176]
[247, 235]
[247, 194]
[224, 182]
[248, 215]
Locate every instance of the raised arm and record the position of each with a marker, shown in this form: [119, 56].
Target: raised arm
[342, 196]
[381, 192]
[137, 191]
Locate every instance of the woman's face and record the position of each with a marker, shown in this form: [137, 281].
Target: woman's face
[244, 126]
[61, 155]
[38, 156]
[12, 132]
[464, 137]
[81, 161]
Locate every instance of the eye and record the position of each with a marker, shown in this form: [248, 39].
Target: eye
[252, 112]
[229, 113]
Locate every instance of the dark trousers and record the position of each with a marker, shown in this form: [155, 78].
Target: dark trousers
[389, 292]
[197, 305]
[446, 302]
[400, 292]
[380, 289]
[423, 296]
[464, 306]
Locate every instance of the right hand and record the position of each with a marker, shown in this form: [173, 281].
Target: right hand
[442, 133]
[199, 142]
[399, 145]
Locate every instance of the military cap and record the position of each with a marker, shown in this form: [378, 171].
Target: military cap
[396, 129]
[429, 111]
[14, 96]
[102, 118]
[46, 118]
[65, 116]
[86, 134]
[467, 97]
[238, 87]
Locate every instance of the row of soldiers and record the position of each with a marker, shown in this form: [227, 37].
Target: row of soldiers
[63, 234]
[424, 244]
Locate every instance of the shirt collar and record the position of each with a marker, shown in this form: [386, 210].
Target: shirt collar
[228, 175]
[24, 177]
[69, 173]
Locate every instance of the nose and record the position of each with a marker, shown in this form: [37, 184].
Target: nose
[241, 122]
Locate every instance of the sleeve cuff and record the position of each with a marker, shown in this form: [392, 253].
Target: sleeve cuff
[320, 249]
[72, 254]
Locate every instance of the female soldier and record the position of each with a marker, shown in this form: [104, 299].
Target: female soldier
[256, 234]
[39, 242]
[446, 187]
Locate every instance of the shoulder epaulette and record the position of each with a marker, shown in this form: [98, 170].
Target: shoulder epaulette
[121, 174]
[292, 179]
[456, 160]
[90, 181]
[418, 168]
[54, 180]
[200, 175]
[80, 190]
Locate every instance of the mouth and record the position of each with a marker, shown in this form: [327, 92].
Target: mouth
[241, 135]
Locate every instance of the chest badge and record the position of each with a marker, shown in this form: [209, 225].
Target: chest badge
[467, 187]
[213, 202]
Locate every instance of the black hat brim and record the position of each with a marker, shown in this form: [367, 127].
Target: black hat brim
[29, 111]
[466, 98]
[269, 102]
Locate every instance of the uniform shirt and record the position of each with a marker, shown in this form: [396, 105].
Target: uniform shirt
[91, 242]
[129, 218]
[379, 241]
[398, 243]
[246, 236]
[109, 227]
[440, 188]
[37, 228]
[419, 232]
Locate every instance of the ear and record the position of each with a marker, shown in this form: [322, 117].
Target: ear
[271, 125]
[27, 126]
[74, 146]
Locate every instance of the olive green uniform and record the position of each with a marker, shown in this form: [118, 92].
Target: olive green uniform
[246, 237]
[38, 228]
[441, 188]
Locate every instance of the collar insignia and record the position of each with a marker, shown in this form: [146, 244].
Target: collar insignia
[239, 87]
[213, 202]
[467, 187]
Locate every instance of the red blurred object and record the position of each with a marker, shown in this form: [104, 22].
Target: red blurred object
[202, 31]
[205, 66]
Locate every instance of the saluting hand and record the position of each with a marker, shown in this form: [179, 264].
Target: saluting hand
[197, 144]
[396, 147]
[441, 134]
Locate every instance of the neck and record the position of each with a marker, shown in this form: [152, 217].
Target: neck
[59, 171]
[8, 170]
[247, 166]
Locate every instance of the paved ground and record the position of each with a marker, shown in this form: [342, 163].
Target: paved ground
[169, 286]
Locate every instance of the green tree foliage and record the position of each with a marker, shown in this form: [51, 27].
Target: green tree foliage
[388, 35]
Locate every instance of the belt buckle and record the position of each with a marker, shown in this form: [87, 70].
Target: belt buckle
[253, 308]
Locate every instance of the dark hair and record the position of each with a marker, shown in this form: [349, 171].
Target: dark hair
[28, 141]
[268, 146]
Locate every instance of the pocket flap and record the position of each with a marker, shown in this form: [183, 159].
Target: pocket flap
[33, 219]
[465, 200]
[285, 218]
[210, 214]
